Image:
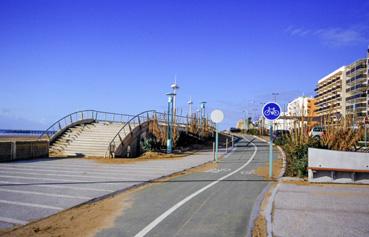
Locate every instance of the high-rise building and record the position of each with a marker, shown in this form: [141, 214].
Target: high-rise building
[356, 89]
[344, 92]
[330, 98]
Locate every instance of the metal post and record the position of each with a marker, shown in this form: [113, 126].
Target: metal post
[170, 120]
[216, 143]
[271, 150]
[213, 151]
[227, 145]
[232, 141]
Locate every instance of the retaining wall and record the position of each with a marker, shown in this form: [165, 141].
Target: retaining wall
[19, 150]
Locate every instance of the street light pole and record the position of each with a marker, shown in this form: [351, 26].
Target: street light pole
[170, 121]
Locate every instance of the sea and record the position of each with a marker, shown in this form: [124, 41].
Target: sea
[22, 132]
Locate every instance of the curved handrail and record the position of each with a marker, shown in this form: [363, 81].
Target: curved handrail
[162, 117]
[79, 116]
[128, 123]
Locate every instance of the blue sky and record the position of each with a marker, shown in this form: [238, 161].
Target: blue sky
[57, 57]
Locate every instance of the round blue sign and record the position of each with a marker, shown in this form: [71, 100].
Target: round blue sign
[271, 111]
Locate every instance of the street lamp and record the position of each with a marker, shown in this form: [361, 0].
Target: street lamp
[174, 87]
[171, 97]
[275, 94]
[190, 103]
[202, 107]
[246, 123]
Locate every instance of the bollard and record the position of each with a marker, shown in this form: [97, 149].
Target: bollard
[227, 145]
[232, 141]
[128, 151]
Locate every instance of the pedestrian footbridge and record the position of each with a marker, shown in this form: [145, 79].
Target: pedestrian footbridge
[91, 133]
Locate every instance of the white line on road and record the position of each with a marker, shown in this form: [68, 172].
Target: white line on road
[30, 205]
[12, 221]
[44, 194]
[158, 220]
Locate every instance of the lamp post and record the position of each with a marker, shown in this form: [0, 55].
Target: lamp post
[190, 103]
[170, 122]
[275, 94]
[174, 87]
[202, 111]
[246, 124]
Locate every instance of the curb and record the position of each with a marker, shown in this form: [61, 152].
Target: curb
[268, 212]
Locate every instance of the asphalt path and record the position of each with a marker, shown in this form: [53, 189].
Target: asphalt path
[217, 202]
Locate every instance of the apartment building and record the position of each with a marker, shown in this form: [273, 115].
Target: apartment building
[356, 89]
[330, 94]
[344, 92]
[301, 107]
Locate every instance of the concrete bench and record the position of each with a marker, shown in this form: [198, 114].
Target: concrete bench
[338, 166]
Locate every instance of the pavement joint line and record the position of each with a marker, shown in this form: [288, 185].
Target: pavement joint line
[12, 221]
[57, 186]
[97, 168]
[109, 182]
[159, 219]
[107, 178]
[30, 205]
[76, 171]
[44, 194]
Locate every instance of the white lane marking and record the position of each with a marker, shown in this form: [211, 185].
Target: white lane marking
[12, 221]
[44, 194]
[58, 186]
[159, 219]
[30, 205]
[216, 171]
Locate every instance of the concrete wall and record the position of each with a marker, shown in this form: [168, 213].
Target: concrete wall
[19, 150]
[338, 160]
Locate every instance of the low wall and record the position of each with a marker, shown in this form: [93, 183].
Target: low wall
[19, 150]
[338, 160]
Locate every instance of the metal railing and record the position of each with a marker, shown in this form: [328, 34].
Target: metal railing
[141, 118]
[92, 115]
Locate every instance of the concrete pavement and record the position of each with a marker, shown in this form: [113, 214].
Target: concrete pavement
[321, 210]
[34, 189]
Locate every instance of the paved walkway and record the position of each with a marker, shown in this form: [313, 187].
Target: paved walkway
[321, 210]
[34, 189]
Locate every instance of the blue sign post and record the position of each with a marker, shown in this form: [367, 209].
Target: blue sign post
[271, 111]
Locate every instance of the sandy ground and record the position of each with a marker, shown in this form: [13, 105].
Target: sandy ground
[264, 170]
[87, 219]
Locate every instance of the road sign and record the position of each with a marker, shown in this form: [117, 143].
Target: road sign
[217, 116]
[271, 111]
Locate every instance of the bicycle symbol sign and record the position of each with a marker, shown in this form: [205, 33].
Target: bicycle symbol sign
[271, 111]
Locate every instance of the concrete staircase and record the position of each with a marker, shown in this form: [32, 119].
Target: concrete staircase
[86, 140]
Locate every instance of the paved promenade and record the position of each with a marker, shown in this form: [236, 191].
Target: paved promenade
[321, 210]
[30, 190]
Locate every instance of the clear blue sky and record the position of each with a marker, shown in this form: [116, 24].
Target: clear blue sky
[61, 56]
